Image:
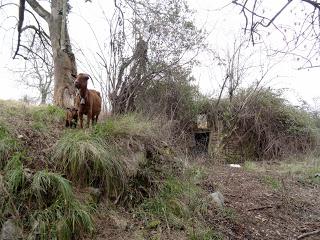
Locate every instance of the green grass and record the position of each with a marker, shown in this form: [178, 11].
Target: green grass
[271, 182]
[228, 213]
[303, 168]
[61, 220]
[58, 214]
[127, 125]
[50, 185]
[204, 234]
[16, 115]
[178, 205]
[8, 145]
[39, 126]
[47, 114]
[10, 108]
[250, 166]
[15, 176]
[88, 160]
[44, 202]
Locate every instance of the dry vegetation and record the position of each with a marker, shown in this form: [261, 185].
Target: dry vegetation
[125, 179]
[262, 125]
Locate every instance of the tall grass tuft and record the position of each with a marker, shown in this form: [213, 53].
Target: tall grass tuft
[127, 125]
[44, 201]
[47, 113]
[8, 145]
[178, 204]
[47, 185]
[59, 214]
[15, 176]
[87, 160]
[61, 220]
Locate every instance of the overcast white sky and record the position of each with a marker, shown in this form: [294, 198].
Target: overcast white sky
[224, 26]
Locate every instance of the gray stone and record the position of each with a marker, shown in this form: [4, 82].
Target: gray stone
[119, 221]
[217, 198]
[10, 231]
[95, 193]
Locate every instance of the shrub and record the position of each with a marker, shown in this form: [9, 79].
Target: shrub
[263, 125]
[173, 96]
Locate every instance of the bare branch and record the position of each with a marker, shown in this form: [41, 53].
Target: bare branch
[20, 24]
[39, 9]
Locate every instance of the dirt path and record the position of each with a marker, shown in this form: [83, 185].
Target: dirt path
[259, 204]
[264, 205]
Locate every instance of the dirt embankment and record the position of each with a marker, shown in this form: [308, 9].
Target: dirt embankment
[261, 202]
[265, 204]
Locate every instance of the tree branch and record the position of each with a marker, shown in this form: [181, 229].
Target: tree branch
[63, 25]
[313, 3]
[22, 7]
[39, 9]
[308, 234]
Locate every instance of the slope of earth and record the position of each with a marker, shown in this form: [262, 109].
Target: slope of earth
[262, 201]
[267, 201]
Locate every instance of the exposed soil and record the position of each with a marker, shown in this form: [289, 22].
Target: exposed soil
[254, 209]
[262, 211]
[37, 143]
[259, 204]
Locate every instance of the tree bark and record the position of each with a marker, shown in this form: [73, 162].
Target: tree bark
[43, 98]
[63, 57]
[123, 95]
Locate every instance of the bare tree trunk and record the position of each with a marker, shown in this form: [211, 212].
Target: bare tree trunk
[123, 95]
[64, 68]
[63, 57]
[43, 98]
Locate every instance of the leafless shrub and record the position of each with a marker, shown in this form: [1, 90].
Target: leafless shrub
[267, 126]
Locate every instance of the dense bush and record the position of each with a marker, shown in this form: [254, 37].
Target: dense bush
[173, 96]
[263, 125]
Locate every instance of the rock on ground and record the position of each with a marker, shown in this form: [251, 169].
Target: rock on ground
[217, 198]
[10, 231]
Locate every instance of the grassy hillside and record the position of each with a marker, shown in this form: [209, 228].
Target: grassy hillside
[122, 179]
[49, 174]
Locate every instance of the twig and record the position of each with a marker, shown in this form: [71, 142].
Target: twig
[308, 234]
[259, 208]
